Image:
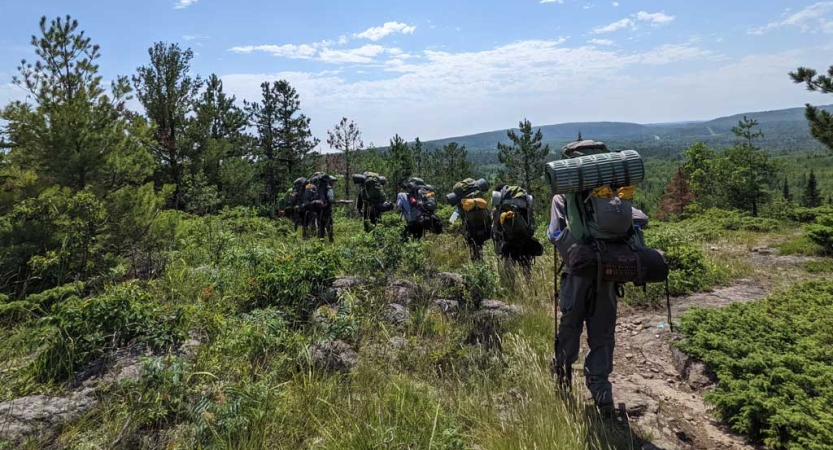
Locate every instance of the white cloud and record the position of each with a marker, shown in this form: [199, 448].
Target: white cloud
[551, 1]
[290, 51]
[182, 4]
[361, 55]
[615, 26]
[615, 4]
[814, 18]
[376, 33]
[632, 22]
[403, 94]
[605, 42]
[654, 18]
[588, 6]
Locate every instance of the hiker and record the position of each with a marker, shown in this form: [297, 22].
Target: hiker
[317, 204]
[513, 227]
[371, 201]
[289, 205]
[417, 204]
[590, 300]
[472, 208]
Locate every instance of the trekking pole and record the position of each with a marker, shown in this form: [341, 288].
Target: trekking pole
[668, 304]
[555, 298]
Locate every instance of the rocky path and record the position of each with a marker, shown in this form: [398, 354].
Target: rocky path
[659, 388]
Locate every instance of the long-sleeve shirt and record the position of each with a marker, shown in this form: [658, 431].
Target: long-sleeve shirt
[403, 205]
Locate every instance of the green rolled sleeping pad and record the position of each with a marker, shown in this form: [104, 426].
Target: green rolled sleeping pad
[616, 169]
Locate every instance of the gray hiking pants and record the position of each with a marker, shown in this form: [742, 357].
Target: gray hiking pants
[580, 305]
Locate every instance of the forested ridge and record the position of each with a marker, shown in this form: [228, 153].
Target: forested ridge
[152, 295]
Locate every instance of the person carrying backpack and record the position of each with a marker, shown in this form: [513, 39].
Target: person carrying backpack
[472, 208]
[372, 201]
[417, 204]
[513, 227]
[316, 206]
[600, 218]
[289, 206]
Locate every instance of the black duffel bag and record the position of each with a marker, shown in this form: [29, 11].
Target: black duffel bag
[620, 263]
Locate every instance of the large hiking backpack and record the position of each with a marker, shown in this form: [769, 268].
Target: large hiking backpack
[601, 240]
[422, 196]
[296, 193]
[468, 195]
[513, 215]
[315, 191]
[371, 190]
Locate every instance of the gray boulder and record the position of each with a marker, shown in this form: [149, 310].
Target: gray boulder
[395, 313]
[25, 416]
[491, 321]
[693, 372]
[333, 356]
[446, 306]
[403, 292]
[341, 285]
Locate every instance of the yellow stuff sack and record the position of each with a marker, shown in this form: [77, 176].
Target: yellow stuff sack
[602, 192]
[470, 204]
[506, 215]
[626, 193]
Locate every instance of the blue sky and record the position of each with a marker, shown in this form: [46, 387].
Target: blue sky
[443, 68]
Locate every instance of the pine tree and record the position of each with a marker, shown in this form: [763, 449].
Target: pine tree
[347, 139]
[821, 121]
[219, 140]
[453, 164]
[419, 157]
[75, 134]
[283, 138]
[747, 169]
[786, 190]
[168, 94]
[525, 158]
[812, 196]
[401, 160]
[701, 167]
[677, 196]
[295, 140]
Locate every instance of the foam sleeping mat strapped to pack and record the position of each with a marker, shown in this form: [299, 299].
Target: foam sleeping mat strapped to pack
[615, 169]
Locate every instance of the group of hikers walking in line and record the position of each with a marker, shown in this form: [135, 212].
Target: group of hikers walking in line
[594, 228]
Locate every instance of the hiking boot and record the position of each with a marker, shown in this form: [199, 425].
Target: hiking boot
[607, 411]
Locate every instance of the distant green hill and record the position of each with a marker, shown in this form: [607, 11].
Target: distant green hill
[786, 131]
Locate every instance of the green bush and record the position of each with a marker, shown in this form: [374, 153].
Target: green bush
[294, 281]
[44, 301]
[86, 329]
[12, 313]
[774, 364]
[821, 233]
[690, 271]
[382, 253]
[809, 215]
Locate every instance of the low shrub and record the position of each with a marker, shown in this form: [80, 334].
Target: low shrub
[294, 281]
[774, 363]
[87, 329]
[809, 215]
[821, 233]
[690, 270]
[382, 253]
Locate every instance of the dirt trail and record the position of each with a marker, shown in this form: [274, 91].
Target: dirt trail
[662, 397]
[659, 387]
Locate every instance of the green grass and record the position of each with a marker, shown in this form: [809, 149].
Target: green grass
[245, 287]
